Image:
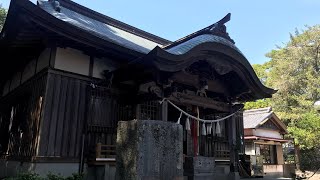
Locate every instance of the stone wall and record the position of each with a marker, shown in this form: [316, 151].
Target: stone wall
[148, 149]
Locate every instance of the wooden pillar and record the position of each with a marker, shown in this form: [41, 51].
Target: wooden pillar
[279, 154]
[98, 150]
[234, 156]
[232, 140]
[164, 109]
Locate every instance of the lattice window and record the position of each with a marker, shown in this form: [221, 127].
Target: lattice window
[149, 110]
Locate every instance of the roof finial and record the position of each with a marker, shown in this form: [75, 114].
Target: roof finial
[225, 19]
[56, 5]
[220, 29]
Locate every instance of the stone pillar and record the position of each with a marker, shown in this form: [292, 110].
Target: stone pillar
[148, 149]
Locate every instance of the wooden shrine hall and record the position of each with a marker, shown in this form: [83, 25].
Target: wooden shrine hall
[71, 74]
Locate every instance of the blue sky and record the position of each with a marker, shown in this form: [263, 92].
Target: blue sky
[256, 26]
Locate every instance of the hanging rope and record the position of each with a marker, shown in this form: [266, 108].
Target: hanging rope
[178, 122]
[196, 118]
[218, 129]
[187, 125]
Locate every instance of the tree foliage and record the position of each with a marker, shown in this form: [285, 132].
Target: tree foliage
[294, 70]
[3, 15]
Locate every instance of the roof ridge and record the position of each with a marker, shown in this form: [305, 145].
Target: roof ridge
[217, 28]
[111, 21]
[259, 110]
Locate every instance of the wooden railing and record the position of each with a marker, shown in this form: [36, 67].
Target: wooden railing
[102, 154]
[222, 150]
[105, 151]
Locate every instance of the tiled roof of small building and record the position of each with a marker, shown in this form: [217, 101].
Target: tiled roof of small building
[253, 118]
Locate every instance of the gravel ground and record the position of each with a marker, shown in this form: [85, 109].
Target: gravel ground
[266, 178]
[316, 176]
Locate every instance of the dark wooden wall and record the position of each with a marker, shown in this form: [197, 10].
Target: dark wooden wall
[64, 116]
[74, 107]
[20, 114]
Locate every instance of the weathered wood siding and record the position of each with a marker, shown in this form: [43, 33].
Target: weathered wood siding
[20, 114]
[72, 108]
[64, 115]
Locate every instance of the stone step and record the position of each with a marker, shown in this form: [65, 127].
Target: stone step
[221, 170]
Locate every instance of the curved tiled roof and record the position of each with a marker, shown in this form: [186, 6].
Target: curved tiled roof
[204, 38]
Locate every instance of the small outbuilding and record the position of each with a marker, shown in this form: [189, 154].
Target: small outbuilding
[264, 136]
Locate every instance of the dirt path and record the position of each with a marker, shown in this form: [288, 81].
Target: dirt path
[316, 176]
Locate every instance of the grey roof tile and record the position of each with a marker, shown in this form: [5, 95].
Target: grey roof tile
[100, 29]
[252, 118]
[191, 43]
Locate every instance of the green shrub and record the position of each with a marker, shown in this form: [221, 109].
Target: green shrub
[75, 176]
[310, 159]
[50, 176]
[26, 176]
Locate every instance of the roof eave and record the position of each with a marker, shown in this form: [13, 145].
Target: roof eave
[179, 62]
[46, 20]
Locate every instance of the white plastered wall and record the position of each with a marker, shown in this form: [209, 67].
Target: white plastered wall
[6, 88]
[29, 71]
[43, 60]
[72, 60]
[250, 148]
[15, 82]
[33, 67]
[267, 133]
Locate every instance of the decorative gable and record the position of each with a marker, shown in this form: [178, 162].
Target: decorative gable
[269, 125]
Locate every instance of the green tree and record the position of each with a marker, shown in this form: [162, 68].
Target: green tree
[294, 70]
[3, 15]
[262, 71]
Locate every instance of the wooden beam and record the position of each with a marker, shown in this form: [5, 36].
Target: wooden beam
[205, 102]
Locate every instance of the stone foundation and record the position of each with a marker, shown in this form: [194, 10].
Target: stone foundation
[199, 167]
[273, 170]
